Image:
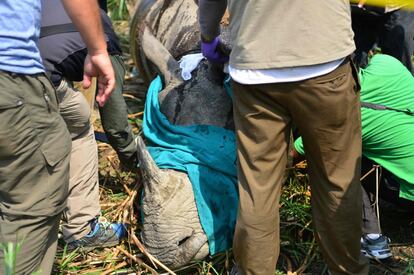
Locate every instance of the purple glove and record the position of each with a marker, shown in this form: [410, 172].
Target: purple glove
[213, 51]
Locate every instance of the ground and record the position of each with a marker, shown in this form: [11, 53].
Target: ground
[299, 252]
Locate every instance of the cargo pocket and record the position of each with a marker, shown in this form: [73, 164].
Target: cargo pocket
[16, 132]
[51, 130]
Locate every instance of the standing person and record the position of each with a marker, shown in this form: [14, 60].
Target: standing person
[63, 53]
[34, 142]
[387, 93]
[290, 64]
[390, 27]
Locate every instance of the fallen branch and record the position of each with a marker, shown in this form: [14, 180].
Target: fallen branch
[150, 257]
[136, 260]
[114, 268]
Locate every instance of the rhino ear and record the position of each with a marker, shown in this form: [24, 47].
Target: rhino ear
[160, 56]
[150, 171]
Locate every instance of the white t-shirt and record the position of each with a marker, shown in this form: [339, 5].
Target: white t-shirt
[293, 74]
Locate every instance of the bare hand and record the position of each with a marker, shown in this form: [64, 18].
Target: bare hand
[100, 66]
[361, 3]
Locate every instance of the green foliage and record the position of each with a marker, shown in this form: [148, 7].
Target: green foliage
[67, 258]
[10, 251]
[117, 10]
[409, 269]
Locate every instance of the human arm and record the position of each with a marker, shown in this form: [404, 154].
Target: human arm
[86, 17]
[210, 14]
[297, 153]
[361, 3]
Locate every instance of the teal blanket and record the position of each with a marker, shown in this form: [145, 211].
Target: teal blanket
[208, 155]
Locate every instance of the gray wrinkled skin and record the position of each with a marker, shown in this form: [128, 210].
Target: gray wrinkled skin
[162, 31]
[171, 231]
[201, 100]
[172, 22]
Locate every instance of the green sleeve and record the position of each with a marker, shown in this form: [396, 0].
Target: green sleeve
[299, 146]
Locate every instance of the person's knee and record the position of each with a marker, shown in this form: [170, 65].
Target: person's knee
[76, 112]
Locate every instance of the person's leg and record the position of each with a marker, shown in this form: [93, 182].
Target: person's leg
[52, 241]
[34, 171]
[83, 200]
[373, 243]
[397, 39]
[366, 29]
[262, 129]
[326, 110]
[114, 118]
[369, 217]
[81, 226]
[38, 239]
[389, 190]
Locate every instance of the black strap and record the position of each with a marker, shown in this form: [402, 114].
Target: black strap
[57, 29]
[383, 107]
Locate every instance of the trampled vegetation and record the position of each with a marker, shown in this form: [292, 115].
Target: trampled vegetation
[120, 193]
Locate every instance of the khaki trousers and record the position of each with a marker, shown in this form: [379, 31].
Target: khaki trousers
[34, 172]
[83, 199]
[327, 112]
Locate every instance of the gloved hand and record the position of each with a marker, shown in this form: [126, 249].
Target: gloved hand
[213, 51]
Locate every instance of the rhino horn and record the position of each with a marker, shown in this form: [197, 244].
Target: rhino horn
[156, 52]
[149, 169]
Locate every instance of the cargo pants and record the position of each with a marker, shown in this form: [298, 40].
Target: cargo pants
[388, 190]
[326, 110]
[114, 118]
[83, 200]
[34, 172]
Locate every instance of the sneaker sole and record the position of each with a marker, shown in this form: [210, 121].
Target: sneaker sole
[86, 249]
[378, 254]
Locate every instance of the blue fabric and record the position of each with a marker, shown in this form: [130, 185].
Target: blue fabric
[208, 155]
[19, 34]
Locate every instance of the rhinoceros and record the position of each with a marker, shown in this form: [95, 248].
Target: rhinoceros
[162, 32]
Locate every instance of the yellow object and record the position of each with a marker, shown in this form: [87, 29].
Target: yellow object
[406, 4]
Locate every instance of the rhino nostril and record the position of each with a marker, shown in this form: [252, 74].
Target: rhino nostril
[183, 240]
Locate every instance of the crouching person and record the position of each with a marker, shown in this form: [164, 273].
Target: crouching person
[387, 95]
[63, 53]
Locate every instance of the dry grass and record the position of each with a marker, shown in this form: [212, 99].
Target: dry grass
[299, 253]
[119, 197]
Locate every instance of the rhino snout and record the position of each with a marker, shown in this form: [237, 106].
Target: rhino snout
[189, 248]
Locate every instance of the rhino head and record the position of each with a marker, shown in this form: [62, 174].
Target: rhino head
[161, 32]
[171, 229]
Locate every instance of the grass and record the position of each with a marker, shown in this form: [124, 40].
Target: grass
[10, 251]
[118, 201]
[118, 10]
[299, 253]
